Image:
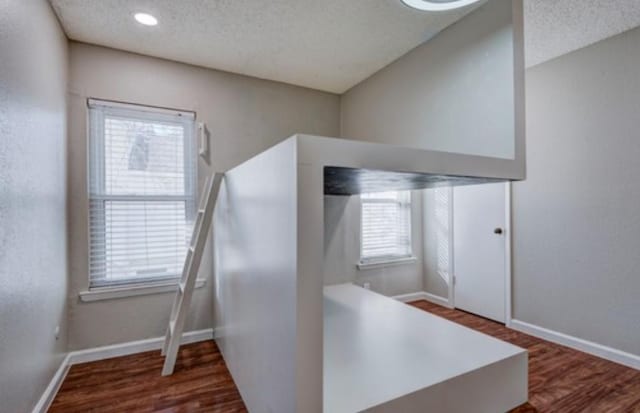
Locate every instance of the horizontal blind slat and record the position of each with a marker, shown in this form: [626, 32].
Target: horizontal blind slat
[386, 225]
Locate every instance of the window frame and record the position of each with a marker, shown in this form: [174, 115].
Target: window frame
[406, 203]
[97, 111]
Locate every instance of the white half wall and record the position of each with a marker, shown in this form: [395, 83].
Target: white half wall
[256, 287]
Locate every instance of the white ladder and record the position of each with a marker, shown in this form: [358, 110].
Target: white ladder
[182, 300]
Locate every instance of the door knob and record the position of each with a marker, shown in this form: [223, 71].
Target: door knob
[497, 231]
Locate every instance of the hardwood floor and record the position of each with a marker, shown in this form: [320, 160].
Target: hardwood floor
[201, 383]
[560, 379]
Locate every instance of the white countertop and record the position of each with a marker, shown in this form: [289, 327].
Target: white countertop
[377, 349]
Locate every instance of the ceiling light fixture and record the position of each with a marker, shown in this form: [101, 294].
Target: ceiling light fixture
[146, 19]
[438, 5]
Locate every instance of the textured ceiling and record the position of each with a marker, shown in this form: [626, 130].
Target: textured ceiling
[557, 27]
[329, 45]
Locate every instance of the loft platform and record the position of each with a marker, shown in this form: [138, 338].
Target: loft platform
[381, 355]
[352, 167]
[269, 258]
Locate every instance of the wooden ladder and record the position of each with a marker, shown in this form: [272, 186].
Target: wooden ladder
[182, 300]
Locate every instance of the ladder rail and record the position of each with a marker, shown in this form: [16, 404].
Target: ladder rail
[208, 187]
[188, 258]
[182, 300]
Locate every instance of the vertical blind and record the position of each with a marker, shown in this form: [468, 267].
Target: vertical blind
[142, 190]
[442, 199]
[385, 226]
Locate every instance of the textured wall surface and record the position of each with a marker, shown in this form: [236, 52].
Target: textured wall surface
[33, 269]
[575, 219]
[556, 27]
[454, 93]
[244, 115]
[342, 249]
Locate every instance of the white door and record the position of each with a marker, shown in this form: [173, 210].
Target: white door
[479, 218]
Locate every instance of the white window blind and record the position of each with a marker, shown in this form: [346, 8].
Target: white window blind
[142, 193]
[386, 226]
[442, 199]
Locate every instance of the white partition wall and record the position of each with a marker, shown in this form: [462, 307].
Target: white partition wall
[256, 284]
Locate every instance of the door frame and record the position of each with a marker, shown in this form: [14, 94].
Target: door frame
[507, 254]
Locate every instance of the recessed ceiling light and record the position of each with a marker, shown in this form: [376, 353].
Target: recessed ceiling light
[438, 5]
[146, 19]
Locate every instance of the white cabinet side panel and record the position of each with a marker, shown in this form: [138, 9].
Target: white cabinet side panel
[255, 280]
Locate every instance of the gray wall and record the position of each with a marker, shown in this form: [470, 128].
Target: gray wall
[245, 116]
[33, 269]
[342, 249]
[454, 93]
[576, 227]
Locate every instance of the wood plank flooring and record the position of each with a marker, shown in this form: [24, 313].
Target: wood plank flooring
[560, 379]
[201, 383]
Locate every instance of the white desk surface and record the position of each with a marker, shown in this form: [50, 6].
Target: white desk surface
[377, 349]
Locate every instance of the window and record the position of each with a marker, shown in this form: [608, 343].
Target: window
[386, 227]
[142, 193]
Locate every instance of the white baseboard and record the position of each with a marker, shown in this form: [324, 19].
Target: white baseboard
[106, 352]
[422, 295]
[407, 298]
[133, 347]
[52, 389]
[599, 350]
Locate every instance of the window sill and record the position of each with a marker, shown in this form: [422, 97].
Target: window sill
[386, 263]
[111, 293]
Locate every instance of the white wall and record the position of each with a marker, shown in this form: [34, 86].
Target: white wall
[454, 93]
[257, 279]
[576, 222]
[33, 268]
[244, 115]
[342, 249]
